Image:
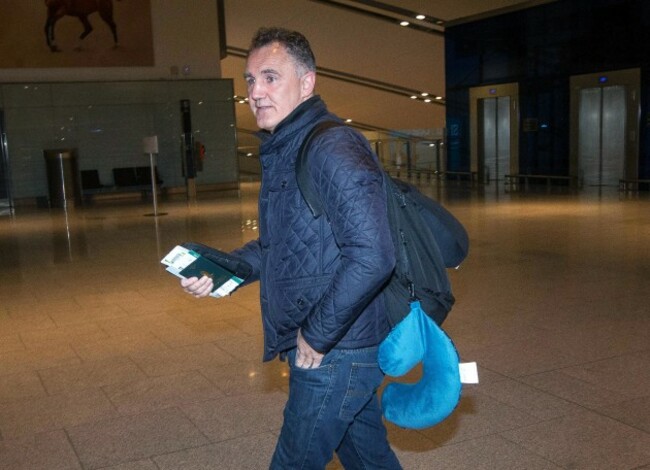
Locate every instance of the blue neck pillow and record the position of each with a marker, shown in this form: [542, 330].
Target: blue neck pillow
[417, 338]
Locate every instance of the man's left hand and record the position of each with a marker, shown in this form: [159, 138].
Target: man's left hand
[306, 356]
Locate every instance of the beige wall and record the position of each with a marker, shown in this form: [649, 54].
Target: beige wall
[182, 37]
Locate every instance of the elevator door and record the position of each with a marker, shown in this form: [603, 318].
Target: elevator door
[494, 140]
[601, 140]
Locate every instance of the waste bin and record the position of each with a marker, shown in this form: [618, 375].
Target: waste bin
[62, 177]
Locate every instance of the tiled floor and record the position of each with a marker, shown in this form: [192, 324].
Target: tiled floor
[106, 364]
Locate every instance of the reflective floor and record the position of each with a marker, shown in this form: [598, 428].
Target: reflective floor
[106, 364]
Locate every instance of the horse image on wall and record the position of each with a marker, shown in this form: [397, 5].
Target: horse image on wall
[75, 33]
[57, 9]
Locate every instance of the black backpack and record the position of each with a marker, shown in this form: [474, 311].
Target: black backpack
[427, 239]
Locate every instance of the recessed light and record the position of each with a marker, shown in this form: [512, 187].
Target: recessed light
[420, 17]
[414, 97]
[424, 93]
[404, 23]
[348, 120]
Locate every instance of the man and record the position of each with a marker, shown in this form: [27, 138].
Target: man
[319, 277]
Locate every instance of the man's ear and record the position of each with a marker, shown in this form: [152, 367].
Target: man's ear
[307, 84]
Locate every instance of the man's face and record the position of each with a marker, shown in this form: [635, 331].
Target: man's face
[274, 87]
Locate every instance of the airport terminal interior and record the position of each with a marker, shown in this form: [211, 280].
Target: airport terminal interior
[105, 363]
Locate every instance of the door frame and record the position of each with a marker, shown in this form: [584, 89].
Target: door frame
[631, 80]
[494, 91]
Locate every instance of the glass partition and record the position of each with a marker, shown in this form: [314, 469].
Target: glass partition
[105, 123]
[414, 155]
[419, 154]
[6, 199]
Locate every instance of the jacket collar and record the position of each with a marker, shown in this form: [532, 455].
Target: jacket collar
[306, 112]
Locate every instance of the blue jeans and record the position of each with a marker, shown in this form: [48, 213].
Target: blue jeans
[334, 408]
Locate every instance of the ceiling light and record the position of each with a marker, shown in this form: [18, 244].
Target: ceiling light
[348, 120]
[428, 100]
[420, 17]
[438, 97]
[424, 93]
[414, 97]
[404, 23]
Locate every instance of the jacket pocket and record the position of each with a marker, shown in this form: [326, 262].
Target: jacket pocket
[282, 208]
[296, 299]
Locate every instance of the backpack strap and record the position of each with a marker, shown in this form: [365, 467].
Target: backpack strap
[305, 185]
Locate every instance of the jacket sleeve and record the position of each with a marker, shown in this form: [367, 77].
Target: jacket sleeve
[348, 178]
[251, 252]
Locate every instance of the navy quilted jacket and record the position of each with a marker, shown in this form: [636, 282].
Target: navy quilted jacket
[321, 275]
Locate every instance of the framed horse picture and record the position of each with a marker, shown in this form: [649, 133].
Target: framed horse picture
[76, 33]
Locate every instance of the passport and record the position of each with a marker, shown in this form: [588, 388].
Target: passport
[185, 263]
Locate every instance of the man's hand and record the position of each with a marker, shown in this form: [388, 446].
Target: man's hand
[306, 356]
[198, 287]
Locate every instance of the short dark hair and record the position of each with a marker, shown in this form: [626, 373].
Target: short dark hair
[295, 43]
